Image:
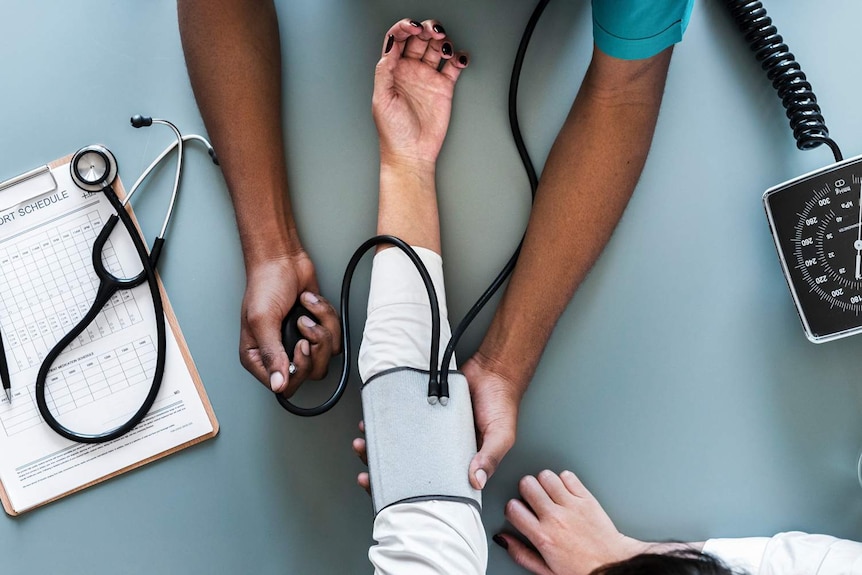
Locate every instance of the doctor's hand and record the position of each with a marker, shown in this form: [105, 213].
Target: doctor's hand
[272, 288]
[495, 411]
[570, 532]
[413, 85]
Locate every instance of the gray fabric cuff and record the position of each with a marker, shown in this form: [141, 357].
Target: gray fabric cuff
[418, 451]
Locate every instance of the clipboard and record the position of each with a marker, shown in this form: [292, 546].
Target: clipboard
[42, 214]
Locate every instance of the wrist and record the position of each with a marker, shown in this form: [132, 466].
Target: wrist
[406, 166]
[407, 176]
[262, 246]
[508, 357]
[294, 271]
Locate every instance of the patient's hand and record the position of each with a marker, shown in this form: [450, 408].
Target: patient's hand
[412, 98]
[570, 531]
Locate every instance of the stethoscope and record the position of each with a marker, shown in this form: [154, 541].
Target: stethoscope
[94, 169]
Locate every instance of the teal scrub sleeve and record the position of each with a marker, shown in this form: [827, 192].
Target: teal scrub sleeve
[637, 29]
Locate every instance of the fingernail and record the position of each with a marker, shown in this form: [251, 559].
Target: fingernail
[389, 43]
[501, 541]
[276, 380]
[310, 297]
[447, 49]
[439, 29]
[304, 347]
[481, 477]
[415, 24]
[463, 60]
[307, 321]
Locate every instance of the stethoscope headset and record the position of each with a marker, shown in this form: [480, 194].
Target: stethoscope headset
[94, 169]
[438, 385]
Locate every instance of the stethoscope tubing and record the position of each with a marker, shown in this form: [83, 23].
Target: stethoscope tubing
[108, 286]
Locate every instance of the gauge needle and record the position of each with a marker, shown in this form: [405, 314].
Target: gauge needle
[858, 243]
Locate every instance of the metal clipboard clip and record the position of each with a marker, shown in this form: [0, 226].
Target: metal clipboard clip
[26, 186]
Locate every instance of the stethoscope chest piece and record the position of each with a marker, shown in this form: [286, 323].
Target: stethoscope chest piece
[93, 168]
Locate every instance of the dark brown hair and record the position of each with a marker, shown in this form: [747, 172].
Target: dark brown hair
[678, 562]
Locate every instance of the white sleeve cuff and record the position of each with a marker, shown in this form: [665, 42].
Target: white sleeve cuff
[791, 552]
[429, 538]
[743, 554]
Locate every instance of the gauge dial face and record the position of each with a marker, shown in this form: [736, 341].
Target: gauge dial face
[816, 222]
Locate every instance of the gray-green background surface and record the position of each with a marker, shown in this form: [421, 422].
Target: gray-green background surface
[678, 384]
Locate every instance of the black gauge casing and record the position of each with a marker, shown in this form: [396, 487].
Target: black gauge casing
[815, 223]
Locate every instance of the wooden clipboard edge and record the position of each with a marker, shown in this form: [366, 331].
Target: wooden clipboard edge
[190, 365]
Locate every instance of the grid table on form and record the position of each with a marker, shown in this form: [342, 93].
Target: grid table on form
[56, 263]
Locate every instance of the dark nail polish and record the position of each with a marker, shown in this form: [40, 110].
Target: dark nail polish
[389, 43]
[498, 539]
[447, 49]
[463, 60]
[439, 29]
[415, 24]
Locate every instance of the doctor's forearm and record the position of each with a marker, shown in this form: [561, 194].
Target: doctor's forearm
[588, 179]
[233, 54]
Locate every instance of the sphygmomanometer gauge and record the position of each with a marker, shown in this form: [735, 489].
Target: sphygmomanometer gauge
[816, 222]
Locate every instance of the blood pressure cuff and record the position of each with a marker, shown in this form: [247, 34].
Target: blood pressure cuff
[418, 451]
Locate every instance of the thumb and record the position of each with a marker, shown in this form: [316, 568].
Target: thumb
[273, 356]
[496, 441]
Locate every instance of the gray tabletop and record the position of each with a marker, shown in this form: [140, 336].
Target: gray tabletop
[678, 383]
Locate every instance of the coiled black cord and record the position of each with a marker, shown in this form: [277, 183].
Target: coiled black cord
[788, 79]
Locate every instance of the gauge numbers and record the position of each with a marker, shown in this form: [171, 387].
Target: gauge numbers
[816, 222]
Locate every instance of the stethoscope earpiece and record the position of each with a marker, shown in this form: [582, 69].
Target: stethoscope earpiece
[139, 121]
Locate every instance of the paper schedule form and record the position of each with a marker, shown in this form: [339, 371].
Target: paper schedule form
[48, 284]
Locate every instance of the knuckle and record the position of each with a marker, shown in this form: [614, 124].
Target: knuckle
[520, 556]
[256, 319]
[268, 357]
[320, 371]
[507, 440]
[542, 541]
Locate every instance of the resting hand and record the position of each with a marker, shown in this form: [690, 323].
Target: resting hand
[412, 100]
[570, 531]
[495, 410]
[272, 289]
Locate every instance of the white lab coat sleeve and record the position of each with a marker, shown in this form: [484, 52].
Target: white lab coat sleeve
[790, 553]
[398, 326]
[429, 536]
